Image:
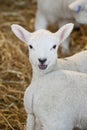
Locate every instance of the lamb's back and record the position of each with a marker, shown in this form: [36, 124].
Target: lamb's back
[57, 8]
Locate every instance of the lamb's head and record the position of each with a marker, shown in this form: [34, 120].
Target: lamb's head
[79, 8]
[43, 45]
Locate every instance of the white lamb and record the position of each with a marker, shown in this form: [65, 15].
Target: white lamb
[61, 11]
[56, 98]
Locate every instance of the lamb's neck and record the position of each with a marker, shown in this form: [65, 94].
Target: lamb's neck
[37, 74]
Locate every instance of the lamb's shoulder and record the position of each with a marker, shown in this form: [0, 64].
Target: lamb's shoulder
[77, 80]
[74, 76]
[66, 73]
[66, 78]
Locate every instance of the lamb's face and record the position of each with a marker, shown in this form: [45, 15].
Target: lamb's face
[43, 45]
[80, 11]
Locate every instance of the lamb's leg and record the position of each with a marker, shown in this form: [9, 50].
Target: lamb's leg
[30, 122]
[40, 21]
[37, 125]
[64, 45]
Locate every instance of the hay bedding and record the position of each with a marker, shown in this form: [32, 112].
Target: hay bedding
[15, 69]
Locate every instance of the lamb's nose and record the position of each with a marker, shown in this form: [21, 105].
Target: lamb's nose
[42, 61]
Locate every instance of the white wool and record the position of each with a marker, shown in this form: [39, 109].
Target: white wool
[55, 99]
[58, 100]
[77, 62]
[61, 11]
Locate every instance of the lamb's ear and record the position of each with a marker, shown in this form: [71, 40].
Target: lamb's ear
[77, 5]
[20, 32]
[64, 32]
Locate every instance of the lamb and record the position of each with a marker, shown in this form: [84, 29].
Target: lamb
[61, 11]
[56, 98]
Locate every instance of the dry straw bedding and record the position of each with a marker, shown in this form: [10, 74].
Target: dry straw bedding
[15, 69]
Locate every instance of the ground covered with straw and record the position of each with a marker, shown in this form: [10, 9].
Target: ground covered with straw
[15, 68]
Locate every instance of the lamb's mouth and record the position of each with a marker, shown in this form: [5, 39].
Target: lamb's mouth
[42, 67]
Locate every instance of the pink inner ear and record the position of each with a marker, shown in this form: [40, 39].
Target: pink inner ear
[62, 34]
[21, 35]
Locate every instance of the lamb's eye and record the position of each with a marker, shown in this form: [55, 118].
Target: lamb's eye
[31, 47]
[54, 46]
